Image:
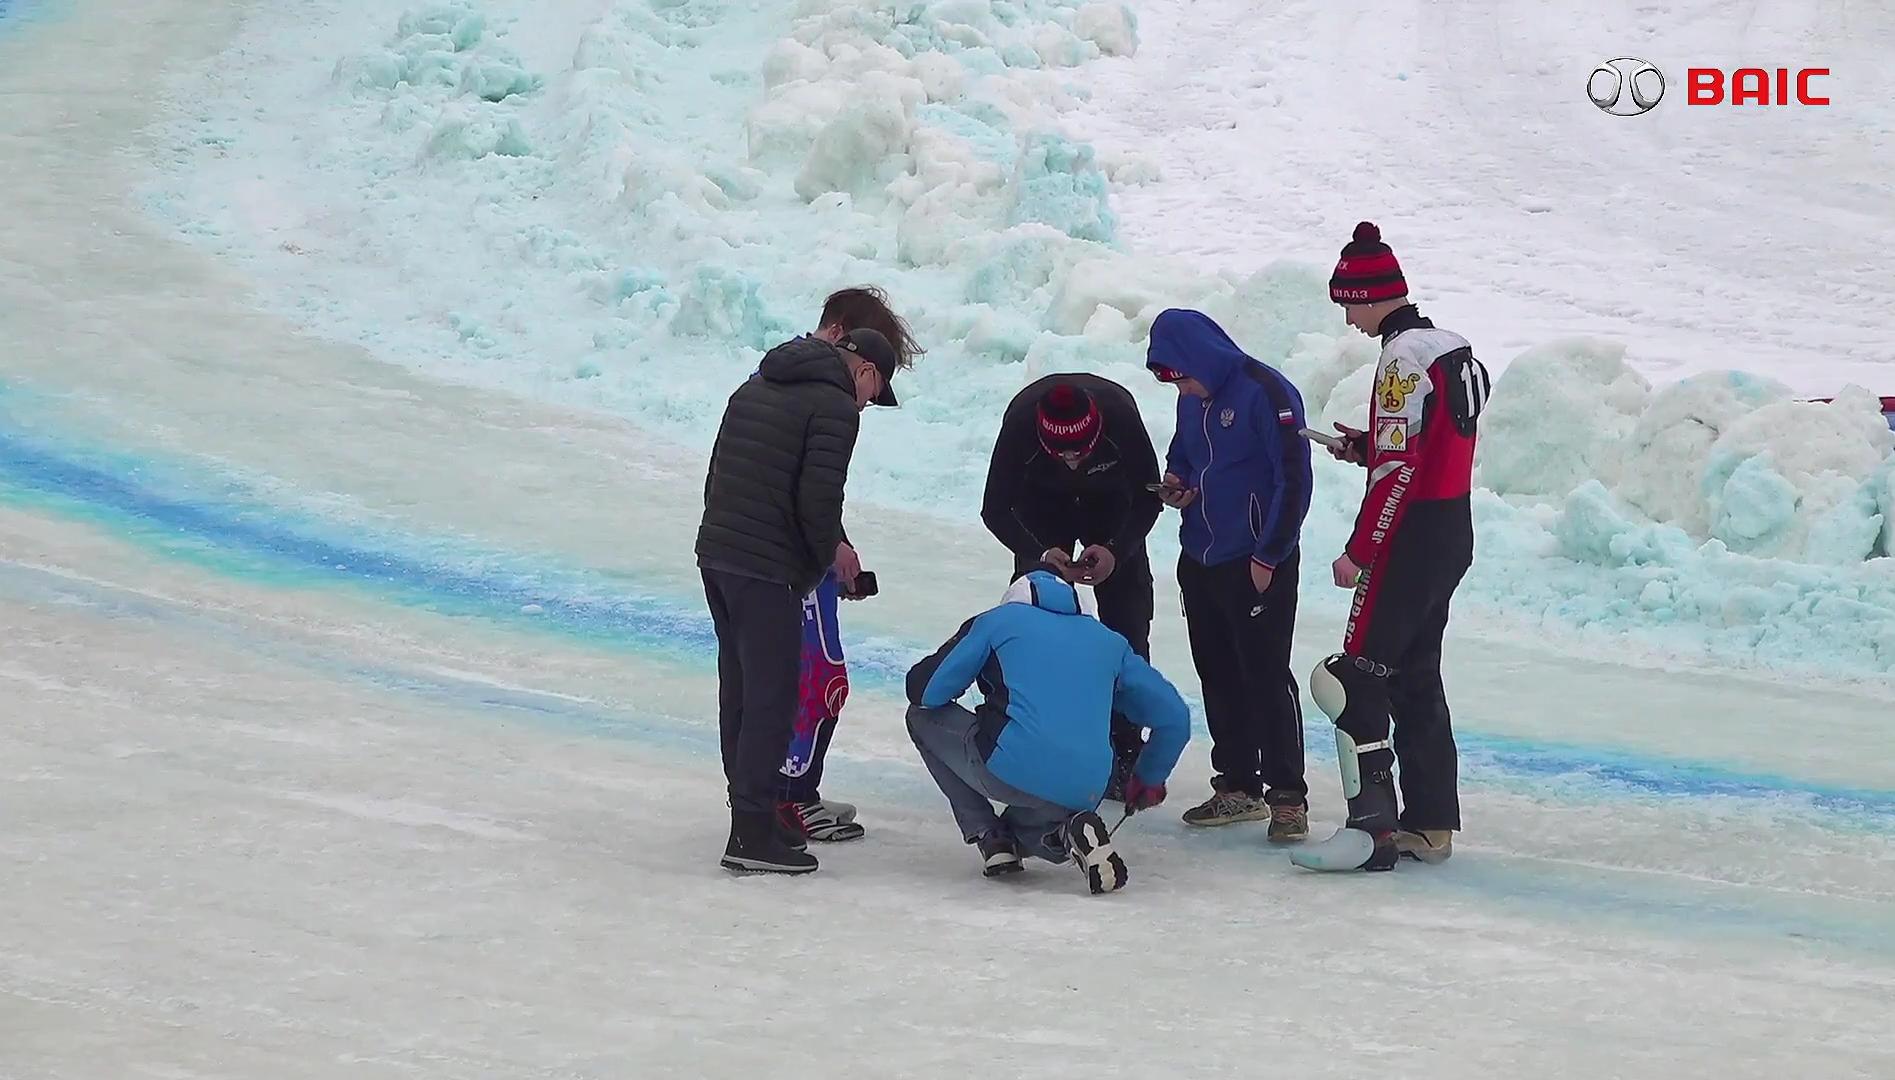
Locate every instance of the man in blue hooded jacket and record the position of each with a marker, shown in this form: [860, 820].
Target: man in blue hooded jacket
[1240, 472]
[1040, 742]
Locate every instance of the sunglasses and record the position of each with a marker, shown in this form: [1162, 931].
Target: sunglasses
[1167, 375]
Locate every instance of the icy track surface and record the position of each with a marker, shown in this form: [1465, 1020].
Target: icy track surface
[356, 722]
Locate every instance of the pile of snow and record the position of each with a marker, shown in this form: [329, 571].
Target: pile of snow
[621, 212]
[619, 205]
[1722, 456]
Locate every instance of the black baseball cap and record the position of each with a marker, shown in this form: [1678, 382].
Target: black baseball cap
[873, 347]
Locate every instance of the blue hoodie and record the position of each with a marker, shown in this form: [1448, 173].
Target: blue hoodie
[1240, 449]
[1051, 677]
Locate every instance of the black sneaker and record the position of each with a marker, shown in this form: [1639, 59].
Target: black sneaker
[999, 854]
[1091, 848]
[757, 847]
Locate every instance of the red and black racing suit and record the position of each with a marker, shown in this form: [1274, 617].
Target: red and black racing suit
[1414, 538]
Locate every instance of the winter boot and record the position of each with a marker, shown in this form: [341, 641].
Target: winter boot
[789, 826]
[1091, 848]
[1425, 845]
[1227, 807]
[1289, 822]
[999, 853]
[756, 847]
[823, 821]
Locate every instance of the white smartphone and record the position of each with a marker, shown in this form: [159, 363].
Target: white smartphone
[1327, 440]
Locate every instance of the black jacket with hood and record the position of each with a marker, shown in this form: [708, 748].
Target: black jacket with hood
[773, 495]
[1025, 483]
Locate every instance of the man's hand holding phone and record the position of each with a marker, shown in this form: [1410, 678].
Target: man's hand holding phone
[1173, 493]
[1095, 564]
[1059, 559]
[1352, 445]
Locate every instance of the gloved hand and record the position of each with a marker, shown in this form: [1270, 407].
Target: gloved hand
[1142, 796]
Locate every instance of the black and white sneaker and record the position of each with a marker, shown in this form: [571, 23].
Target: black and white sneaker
[1091, 848]
[999, 854]
[828, 822]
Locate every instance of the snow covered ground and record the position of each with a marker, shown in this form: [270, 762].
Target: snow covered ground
[1700, 238]
[357, 688]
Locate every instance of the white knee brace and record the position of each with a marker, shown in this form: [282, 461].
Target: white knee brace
[1332, 697]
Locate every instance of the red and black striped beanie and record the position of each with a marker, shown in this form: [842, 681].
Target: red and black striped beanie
[1069, 420]
[1367, 273]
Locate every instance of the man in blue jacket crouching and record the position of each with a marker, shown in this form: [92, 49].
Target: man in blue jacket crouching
[1040, 741]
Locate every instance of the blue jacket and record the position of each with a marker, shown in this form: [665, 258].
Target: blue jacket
[1052, 677]
[1240, 449]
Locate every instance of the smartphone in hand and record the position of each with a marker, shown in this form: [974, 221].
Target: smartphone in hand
[1330, 441]
[865, 586]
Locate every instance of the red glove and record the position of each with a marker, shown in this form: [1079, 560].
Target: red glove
[1142, 796]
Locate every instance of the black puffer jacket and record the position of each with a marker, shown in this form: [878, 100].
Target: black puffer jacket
[773, 498]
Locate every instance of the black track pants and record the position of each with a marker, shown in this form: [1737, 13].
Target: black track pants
[1240, 643]
[759, 628]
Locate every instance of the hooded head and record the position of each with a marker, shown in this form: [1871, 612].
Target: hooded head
[1045, 590]
[1189, 344]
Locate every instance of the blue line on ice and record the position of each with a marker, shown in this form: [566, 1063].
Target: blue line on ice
[14, 13]
[262, 542]
[1687, 906]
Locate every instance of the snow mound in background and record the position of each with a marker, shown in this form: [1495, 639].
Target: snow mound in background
[620, 209]
[685, 182]
[1559, 413]
[1723, 456]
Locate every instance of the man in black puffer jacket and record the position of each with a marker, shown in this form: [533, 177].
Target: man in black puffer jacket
[772, 521]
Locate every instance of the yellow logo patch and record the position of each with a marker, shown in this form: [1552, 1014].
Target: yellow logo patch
[1393, 390]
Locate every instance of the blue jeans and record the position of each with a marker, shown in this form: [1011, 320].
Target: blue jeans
[945, 737]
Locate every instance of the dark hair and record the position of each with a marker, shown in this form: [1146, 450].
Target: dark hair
[866, 307]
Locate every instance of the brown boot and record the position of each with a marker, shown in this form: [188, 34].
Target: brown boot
[1427, 845]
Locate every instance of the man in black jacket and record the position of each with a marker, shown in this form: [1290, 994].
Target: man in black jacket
[772, 523]
[1073, 462]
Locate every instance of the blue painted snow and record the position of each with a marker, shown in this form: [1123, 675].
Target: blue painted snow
[242, 537]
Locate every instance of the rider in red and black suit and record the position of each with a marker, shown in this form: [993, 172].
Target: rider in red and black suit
[1413, 542]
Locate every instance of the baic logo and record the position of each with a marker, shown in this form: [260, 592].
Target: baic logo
[1626, 86]
[1751, 86]
[1629, 86]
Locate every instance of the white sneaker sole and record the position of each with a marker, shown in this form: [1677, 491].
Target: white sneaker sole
[1003, 865]
[1105, 871]
[738, 864]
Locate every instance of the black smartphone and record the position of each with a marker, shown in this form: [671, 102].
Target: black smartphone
[865, 585]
